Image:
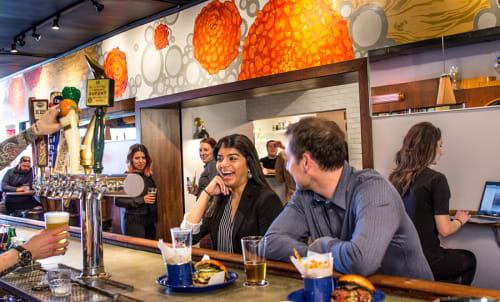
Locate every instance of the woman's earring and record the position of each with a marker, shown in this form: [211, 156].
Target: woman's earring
[249, 175]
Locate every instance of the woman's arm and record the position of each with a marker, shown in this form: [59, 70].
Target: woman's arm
[129, 203]
[215, 187]
[446, 226]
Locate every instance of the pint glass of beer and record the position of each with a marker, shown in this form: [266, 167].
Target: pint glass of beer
[54, 220]
[254, 256]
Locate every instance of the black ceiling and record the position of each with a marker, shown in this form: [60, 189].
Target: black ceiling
[80, 25]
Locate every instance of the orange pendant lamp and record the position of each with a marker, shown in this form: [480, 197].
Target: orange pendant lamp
[445, 95]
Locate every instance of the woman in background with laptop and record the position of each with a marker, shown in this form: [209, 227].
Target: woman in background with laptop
[426, 195]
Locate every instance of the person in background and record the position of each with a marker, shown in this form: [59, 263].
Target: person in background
[19, 179]
[426, 195]
[210, 168]
[141, 212]
[282, 175]
[243, 205]
[357, 216]
[269, 162]
[44, 244]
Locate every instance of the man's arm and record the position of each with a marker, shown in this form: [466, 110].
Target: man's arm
[6, 187]
[287, 232]
[376, 219]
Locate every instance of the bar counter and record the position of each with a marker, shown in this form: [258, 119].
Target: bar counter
[140, 269]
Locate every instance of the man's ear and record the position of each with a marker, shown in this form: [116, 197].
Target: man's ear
[306, 161]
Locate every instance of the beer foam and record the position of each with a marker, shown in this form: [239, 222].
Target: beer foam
[56, 217]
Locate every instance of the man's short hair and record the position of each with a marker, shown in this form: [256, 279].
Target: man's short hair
[268, 142]
[322, 138]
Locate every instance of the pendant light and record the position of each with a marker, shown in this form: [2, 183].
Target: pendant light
[445, 95]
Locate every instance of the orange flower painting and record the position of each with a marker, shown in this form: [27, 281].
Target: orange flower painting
[289, 35]
[32, 77]
[115, 68]
[17, 97]
[217, 34]
[161, 36]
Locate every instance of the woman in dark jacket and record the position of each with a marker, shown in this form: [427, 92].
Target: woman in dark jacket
[426, 196]
[141, 212]
[243, 203]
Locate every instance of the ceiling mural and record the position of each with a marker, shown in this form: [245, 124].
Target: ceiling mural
[220, 42]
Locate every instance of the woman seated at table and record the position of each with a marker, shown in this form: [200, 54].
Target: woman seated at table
[243, 203]
[141, 212]
[426, 196]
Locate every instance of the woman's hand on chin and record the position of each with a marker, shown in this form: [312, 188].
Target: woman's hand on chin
[217, 186]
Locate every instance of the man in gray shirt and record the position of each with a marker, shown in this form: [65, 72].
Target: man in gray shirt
[358, 216]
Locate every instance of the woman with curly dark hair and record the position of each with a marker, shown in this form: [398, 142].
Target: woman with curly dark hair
[243, 203]
[426, 195]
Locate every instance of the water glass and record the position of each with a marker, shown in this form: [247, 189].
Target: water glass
[59, 281]
[182, 240]
[254, 257]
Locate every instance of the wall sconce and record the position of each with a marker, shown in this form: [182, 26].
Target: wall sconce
[445, 96]
[387, 98]
[200, 133]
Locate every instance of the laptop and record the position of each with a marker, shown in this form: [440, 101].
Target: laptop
[489, 209]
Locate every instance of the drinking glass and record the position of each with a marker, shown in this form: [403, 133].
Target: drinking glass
[152, 190]
[54, 220]
[59, 281]
[254, 257]
[182, 240]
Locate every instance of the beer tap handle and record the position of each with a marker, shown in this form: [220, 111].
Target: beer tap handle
[98, 145]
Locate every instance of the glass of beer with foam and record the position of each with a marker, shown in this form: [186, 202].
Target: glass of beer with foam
[54, 220]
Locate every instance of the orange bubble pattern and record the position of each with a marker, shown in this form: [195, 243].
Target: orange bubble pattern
[115, 68]
[161, 36]
[217, 34]
[289, 35]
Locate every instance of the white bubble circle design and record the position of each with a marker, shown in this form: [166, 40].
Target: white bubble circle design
[193, 73]
[487, 20]
[173, 61]
[152, 64]
[367, 28]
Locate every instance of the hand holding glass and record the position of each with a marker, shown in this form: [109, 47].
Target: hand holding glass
[254, 257]
[153, 190]
[54, 220]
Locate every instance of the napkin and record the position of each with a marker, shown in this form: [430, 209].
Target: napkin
[174, 256]
[314, 265]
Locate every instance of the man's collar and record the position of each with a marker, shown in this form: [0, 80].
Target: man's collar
[338, 197]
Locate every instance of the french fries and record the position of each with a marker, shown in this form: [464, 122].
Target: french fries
[313, 263]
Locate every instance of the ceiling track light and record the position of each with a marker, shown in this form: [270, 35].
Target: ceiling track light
[21, 41]
[36, 36]
[55, 24]
[13, 48]
[98, 6]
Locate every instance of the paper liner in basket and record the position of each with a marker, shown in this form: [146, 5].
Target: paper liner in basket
[174, 256]
[314, 265]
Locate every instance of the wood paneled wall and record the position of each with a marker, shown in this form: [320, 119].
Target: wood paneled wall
[160, 133]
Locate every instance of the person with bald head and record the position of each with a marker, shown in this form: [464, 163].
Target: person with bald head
[19, 179]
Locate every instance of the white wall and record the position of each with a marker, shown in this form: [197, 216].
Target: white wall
[471, 142]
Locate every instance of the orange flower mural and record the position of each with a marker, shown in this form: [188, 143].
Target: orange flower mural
[115, 68]
[161, 36]
[32, 77]
[217, 34]
[17, 97]
[294, 34]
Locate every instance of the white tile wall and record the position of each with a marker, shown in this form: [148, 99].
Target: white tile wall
[315, 100]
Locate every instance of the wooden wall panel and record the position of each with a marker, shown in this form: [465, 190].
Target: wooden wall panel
[160, 133]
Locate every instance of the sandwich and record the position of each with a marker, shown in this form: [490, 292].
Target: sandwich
[353, 288]
[204, 270]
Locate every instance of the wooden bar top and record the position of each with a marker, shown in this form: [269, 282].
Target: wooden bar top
[141, 269]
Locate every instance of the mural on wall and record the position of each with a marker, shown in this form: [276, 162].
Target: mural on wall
[115, 68]
[161, 36]
[294, 34]
[217, 34]
[225, 41]
[32, 77]
[17, 97]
